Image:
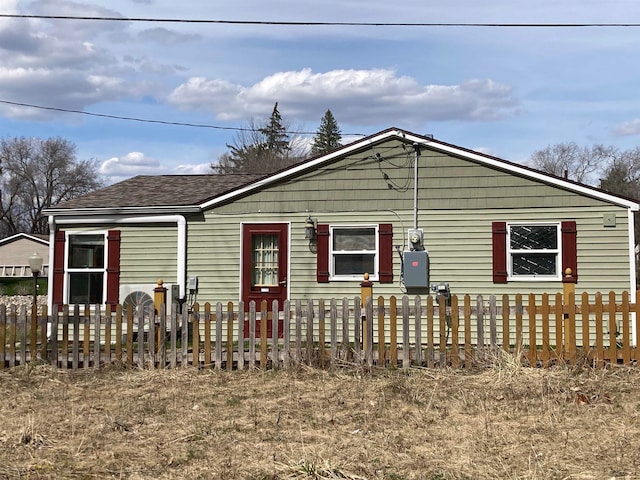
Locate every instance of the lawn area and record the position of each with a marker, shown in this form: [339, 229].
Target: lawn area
[503, 421]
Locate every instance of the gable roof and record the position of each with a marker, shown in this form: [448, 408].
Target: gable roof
[42, 239]
[193, 193]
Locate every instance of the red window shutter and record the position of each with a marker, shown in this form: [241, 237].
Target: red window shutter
[58, 268]
[385, 233]
[113, 266]
[322, 254]
[499, 243]
[569, 251]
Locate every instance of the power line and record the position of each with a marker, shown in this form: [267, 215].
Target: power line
[148, 120]
[324, 24]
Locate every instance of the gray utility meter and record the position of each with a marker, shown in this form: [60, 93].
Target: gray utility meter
[416, 269]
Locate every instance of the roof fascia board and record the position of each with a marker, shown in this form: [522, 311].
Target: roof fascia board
[122, 211]
[310, 165]
[26, 236]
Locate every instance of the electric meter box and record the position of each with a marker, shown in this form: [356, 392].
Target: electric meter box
[416, 269]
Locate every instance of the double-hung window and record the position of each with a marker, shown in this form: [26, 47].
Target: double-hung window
[86, 268]
[533, 251]
[346, 252]
[353, 252]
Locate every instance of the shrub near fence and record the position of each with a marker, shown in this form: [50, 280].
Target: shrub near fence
[398, 333]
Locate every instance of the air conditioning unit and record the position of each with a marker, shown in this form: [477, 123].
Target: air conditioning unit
[142, 294]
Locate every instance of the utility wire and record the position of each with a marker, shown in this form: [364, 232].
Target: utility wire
[162, 122]
[324, 24]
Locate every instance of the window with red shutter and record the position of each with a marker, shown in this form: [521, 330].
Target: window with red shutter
[533, 251]
[93, 262]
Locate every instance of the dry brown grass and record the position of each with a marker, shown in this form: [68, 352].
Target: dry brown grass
[501, 422]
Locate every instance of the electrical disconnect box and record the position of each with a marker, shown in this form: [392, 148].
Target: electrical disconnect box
[416, 269]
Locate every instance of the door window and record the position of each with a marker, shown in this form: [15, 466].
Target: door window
[265, 260]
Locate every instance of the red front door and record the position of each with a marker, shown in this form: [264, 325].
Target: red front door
[265, 262]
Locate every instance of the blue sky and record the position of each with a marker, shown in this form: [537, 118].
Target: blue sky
[502, 91]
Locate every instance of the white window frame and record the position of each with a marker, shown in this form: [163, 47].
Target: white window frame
[557, 251]
[373, 276]
[68, 271]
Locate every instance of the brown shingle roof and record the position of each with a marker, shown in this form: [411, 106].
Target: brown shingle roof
[160, 191]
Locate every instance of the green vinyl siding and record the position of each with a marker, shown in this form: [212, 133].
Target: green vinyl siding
[148, 253]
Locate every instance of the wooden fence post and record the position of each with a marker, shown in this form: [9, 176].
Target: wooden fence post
[569, 315]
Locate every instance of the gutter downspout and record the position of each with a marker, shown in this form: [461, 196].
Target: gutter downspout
[632, 274]
[179, 220]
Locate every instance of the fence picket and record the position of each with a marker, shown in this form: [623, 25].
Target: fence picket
[22, 327]
[393, 332]
[96, 336]
[560, 353]
[586, 335]
[252, 334]
[230, 321]
[493, 327]
[533, 348]
[184, 331]
[406, 353]
[321, 332]
[13, 318]
[599, 355]
[309, 342]
[286, 332]
[613, 329]
[346, 347]
[206, 361]
[368, 331]
[468, 353]
[506, 323]
[241, 320]
[455, 353]
[298, 315]
[218, 319]
[418, 330]
[333, 319]
[626, 336]
[75, 349]
[545, 355]
[65, 336]
[275, 320]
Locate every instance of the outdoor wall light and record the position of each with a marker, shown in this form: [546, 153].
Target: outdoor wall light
[310, 229]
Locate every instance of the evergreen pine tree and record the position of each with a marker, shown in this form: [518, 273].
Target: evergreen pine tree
[276, 138]
[263, 147]
[328, 135]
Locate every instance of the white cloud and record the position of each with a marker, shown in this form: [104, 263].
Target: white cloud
[352, 95]
[193, 169]
[629, 128]
[137, 163]
[129, 165]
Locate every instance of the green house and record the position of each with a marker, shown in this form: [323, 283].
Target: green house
[415, 213]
